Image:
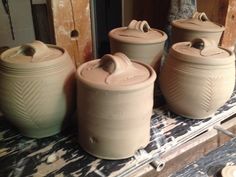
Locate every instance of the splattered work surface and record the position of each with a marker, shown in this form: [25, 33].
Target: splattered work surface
[212, 163]
[60, 155]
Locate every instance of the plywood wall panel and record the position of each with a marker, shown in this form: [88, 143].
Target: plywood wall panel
[68, 16]
[222, 12]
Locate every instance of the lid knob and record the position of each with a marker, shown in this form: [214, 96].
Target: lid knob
[200, 16]
[141, 26]
[115, 64]
[201, 43]
[37, 49]
[119, 66]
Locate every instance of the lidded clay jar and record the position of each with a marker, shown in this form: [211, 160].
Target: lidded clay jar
[37, 88]
[197, 78]
[139, 42]
[199, 26]
[228, 171]
[115, 100]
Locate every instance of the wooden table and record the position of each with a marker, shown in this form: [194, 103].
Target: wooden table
[212, 163]
[170, 136]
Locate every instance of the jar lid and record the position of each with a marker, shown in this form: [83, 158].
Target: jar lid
[198, 22]
[115, 72]
[229, 171]
[35, 52]
[138, 32]
[202, 51]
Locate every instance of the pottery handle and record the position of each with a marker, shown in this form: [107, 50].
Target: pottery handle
[37, 49]
[141, 26]
[200, 16]
[115, 64]
[201, 43]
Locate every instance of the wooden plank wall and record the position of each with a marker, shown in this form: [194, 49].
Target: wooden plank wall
[222, 12]
[154, 11]
[69, 15]
[72, 27]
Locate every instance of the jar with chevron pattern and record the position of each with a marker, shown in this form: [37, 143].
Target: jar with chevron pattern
[197, 78]
[37, 88]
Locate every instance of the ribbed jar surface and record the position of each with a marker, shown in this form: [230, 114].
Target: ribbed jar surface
[38, 98]
[195, 87]
[114, 110]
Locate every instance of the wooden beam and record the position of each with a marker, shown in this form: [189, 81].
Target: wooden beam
[191, 151]
[72, 27]
[224, 13]
[229, 36]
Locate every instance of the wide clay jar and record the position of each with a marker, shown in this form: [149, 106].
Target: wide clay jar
[37, 88]
[199, 26]
[139, 42]
[197, 78]
[114, 104]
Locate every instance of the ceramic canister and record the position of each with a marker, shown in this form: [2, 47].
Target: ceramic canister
[140, 42]
[197, 78]
[199, 26]
[115, 100]
[37, 88]
[228, 171]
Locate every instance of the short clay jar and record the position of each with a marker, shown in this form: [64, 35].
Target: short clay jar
[37, 88]
[199, 26]
[228, 171]
[114, 102]
[139, 42]
[197, 78]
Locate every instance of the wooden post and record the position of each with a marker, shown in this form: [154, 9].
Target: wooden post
[224, 13]
[229, 36]
[72, 27]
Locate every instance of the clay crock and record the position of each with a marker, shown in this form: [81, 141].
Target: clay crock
[139, 42]
[115, 100]
[197, 78]
[37, 88]
[228, 171]
[199, 26]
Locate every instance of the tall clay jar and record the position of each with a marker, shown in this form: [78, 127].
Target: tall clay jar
[139, 42]
[37, 88]
[115, 99]
[199, 26]
[197, 78]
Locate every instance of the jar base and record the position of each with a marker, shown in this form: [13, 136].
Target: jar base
[42, 133]
[191, 117]
[114, 157]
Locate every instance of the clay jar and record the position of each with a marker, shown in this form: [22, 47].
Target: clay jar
[140, 42]
[115, 99]
[37, 88]
[197, 78]
[198, 26]
[228, 171]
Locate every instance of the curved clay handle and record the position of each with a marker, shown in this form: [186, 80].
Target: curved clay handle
[200, 16]
[141, 26]
[115, 64]
[37, 49]
[201, 43]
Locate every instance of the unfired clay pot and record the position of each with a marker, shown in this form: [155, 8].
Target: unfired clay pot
[140, 42]
[198, 26]
[197, 78]
[37, 88]
[115, 99]
[228, 171]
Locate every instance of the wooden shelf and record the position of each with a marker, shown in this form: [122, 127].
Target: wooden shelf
[170, 136]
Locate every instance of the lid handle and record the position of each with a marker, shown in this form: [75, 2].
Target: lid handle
[202, 43]
[141, 26]
[200, 16]
[37, 49]
[115, 64]
[118, 65]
